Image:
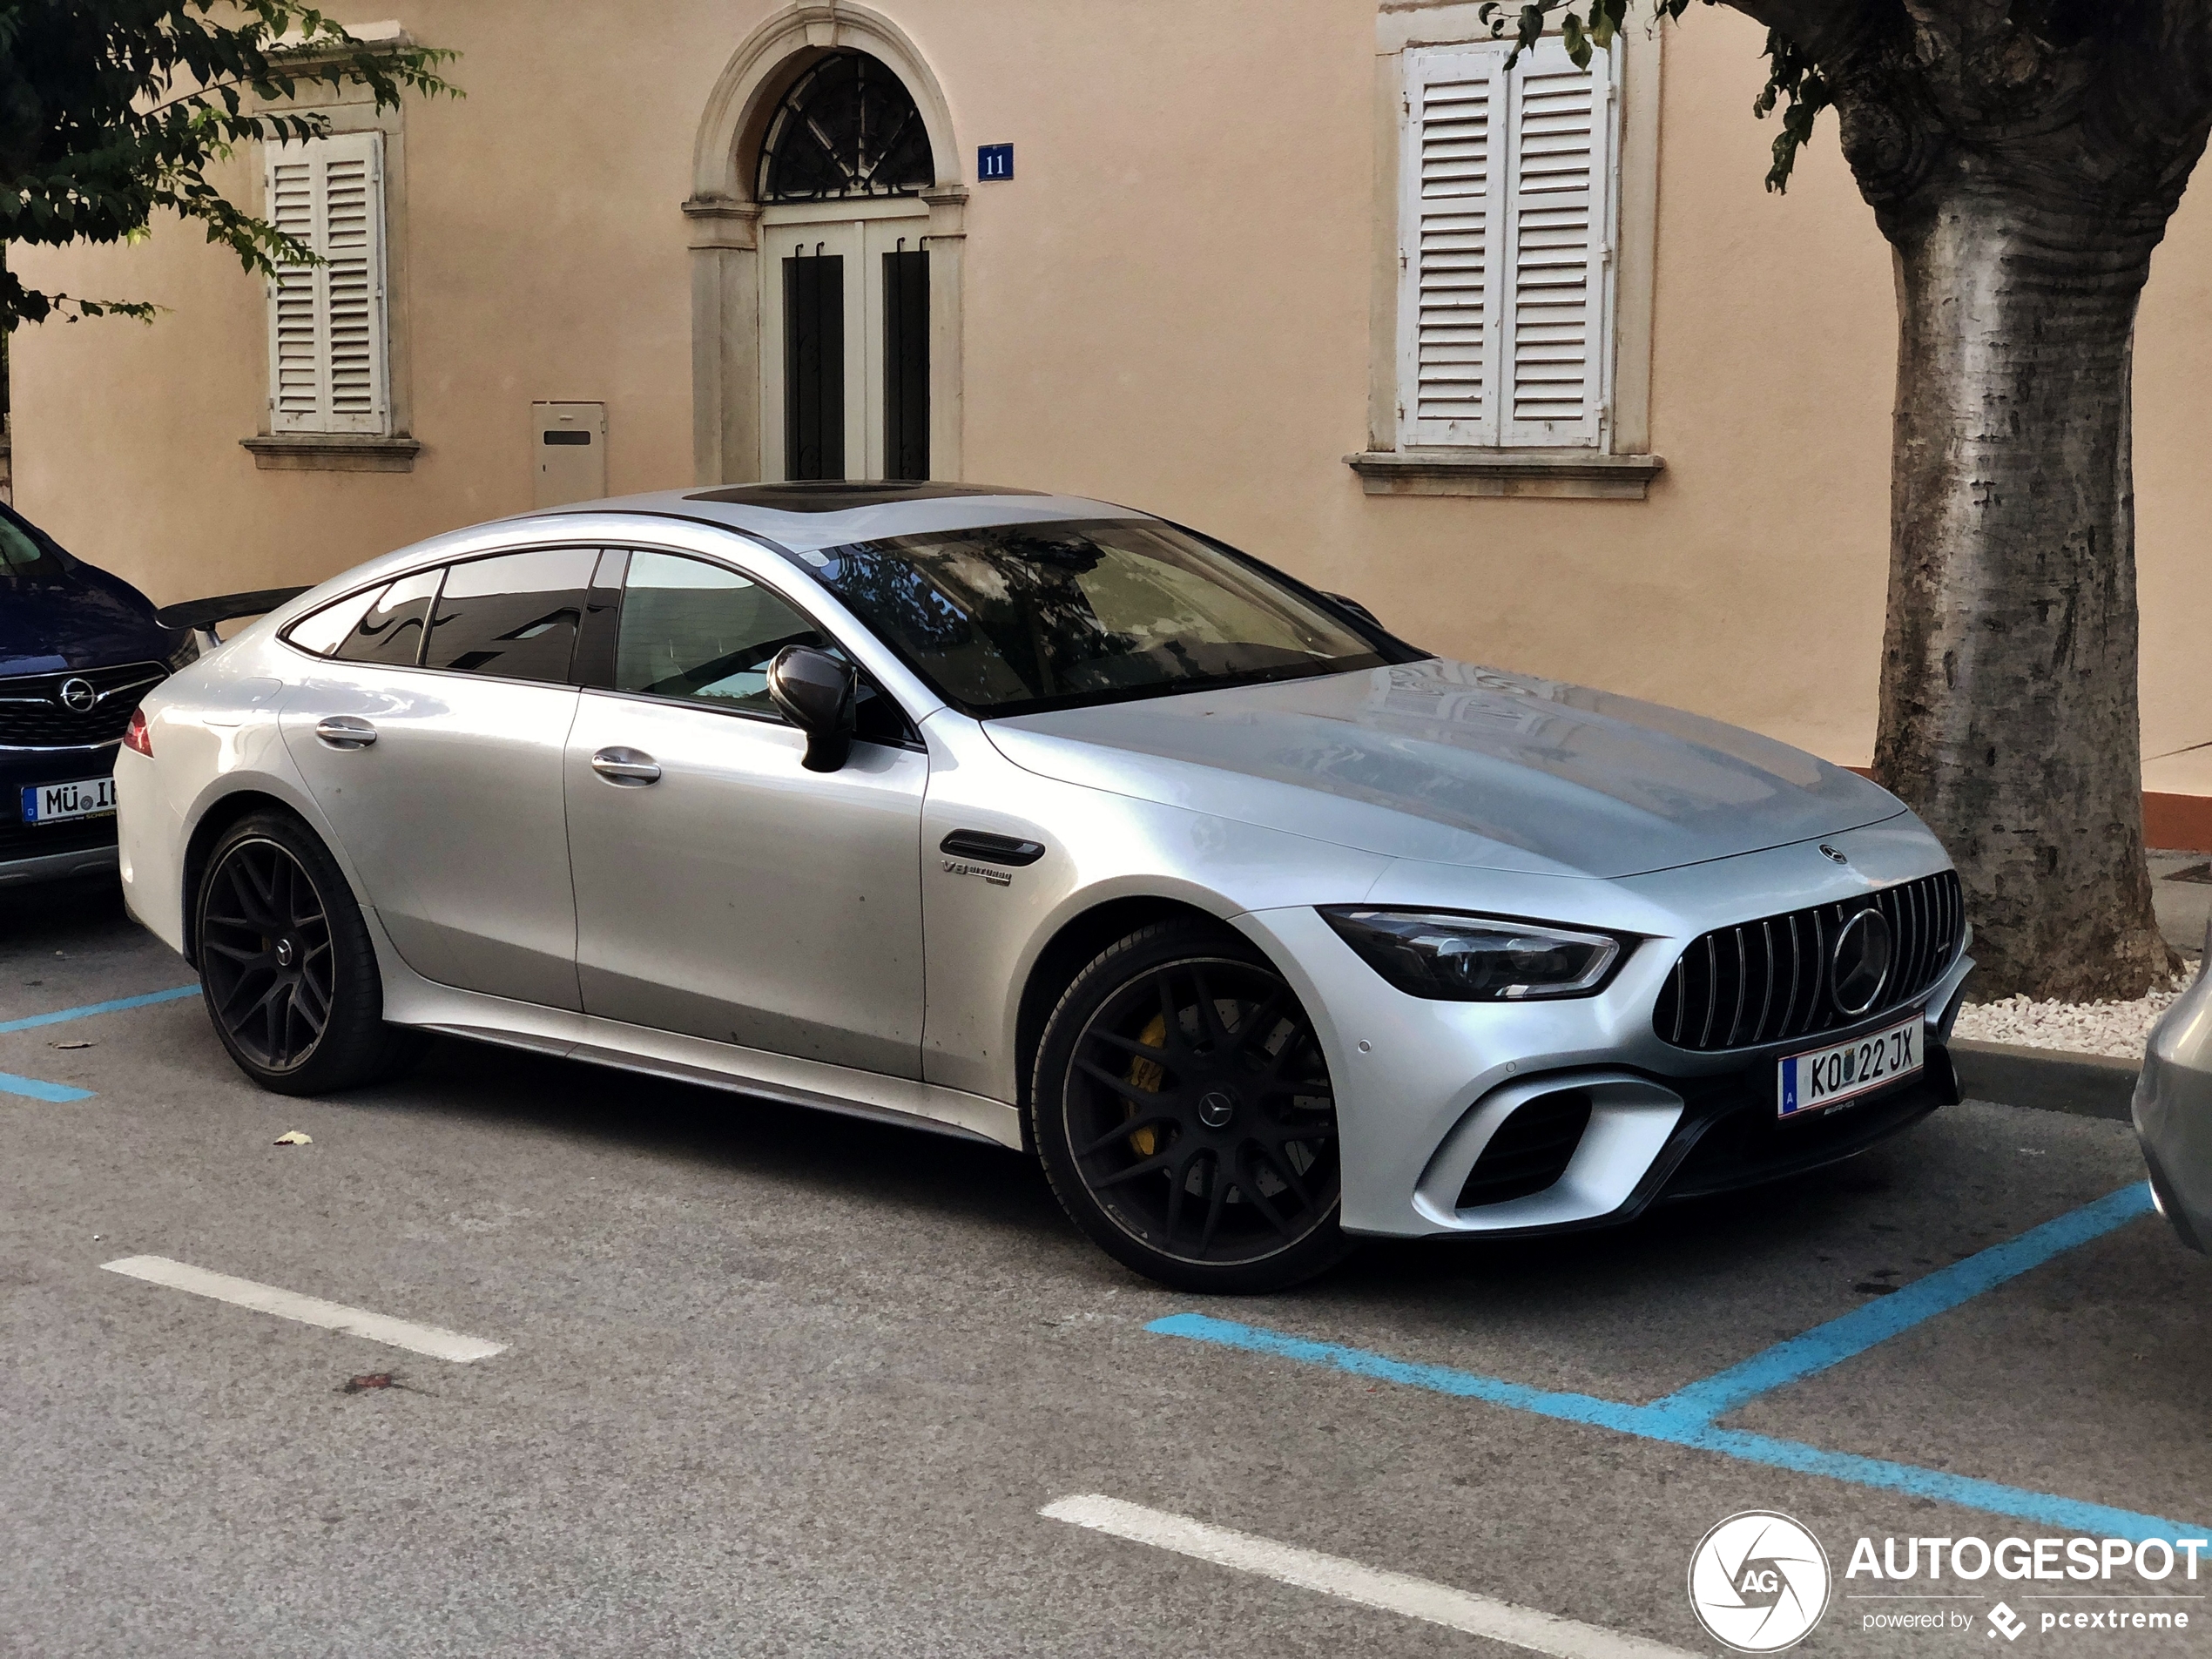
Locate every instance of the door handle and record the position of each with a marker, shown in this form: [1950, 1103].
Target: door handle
[626, 768]
[344, 731]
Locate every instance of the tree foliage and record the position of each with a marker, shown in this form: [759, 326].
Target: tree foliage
[111, 111]
[2023, 158]
[1793, 79]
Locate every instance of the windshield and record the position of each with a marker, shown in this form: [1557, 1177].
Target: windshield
[27, 553]
[1019, 617]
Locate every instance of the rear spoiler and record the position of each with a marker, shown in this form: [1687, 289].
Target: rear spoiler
[204, 614]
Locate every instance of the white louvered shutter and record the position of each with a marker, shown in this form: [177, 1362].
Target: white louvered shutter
[1447, 345]
[327, 322]
[1558, 333]
[1505, 283]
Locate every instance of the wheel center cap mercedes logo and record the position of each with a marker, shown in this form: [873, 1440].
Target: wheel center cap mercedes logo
[1216, 1108]
[78, 695]
[285, 953]
[1860, 967]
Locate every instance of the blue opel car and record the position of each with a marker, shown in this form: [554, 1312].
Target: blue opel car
[79, 648]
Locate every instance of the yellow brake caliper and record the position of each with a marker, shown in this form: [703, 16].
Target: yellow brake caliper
[1148, 1076]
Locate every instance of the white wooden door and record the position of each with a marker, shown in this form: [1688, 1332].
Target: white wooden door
[858, 244]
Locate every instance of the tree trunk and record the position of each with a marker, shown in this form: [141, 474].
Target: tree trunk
[2009, 700]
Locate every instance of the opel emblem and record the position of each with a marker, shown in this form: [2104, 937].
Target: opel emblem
[78, 695]
[1832, 855]
[1860, 967]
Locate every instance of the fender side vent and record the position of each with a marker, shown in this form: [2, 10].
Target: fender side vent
[1530, 1150]
[987, 848]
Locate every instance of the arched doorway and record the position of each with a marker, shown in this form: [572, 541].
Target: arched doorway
[827, 235]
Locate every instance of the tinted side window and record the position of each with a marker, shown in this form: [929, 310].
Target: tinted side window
[27, 553]
[391, 629]
[323, 631]
[694, 631]
[515, 616]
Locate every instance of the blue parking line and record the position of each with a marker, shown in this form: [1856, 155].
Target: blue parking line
[1861, 1329]
[1648, 1423]
[116, 1007]
[34, 1089]
[1686, 1417]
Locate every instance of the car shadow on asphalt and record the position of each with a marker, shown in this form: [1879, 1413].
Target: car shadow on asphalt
[86, 915]
[953, 1179]
[796, 1146]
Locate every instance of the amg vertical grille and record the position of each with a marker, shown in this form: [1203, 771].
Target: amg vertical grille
[1769, 981]
[1529, 1151]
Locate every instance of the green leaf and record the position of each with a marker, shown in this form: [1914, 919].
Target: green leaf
[112, 112]
[1571, 36]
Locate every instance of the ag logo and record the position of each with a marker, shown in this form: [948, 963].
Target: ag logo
[1759, 1581]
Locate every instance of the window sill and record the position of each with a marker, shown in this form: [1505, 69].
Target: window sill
[1583, 474]
[331, 452]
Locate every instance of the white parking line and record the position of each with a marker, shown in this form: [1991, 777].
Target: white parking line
[308, 1310]
[1520, 1627]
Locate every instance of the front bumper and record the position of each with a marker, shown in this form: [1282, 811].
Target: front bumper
[49, 853]
[1428, 1093]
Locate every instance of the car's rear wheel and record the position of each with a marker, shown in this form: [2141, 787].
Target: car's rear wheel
[286, 966]
[1182, 1107]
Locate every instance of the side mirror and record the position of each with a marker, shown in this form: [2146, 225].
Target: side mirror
[815, 692]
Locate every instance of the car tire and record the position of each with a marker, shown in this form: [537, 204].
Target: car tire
[287, 967]
[1181, 1106]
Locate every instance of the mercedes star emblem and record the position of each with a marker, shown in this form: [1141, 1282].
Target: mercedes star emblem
[1834, 855]
[1860, 967]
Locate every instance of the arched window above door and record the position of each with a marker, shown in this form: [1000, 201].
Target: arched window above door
[847, 127]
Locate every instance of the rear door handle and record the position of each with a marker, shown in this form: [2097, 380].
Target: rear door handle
[626, 768]
[344, 731]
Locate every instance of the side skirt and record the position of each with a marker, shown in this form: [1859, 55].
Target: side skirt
[751, 1071]
[411, 999]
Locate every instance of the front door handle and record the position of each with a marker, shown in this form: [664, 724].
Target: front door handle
[626, 768]
[344, 731]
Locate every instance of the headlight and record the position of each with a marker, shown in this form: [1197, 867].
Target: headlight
[1475, 959]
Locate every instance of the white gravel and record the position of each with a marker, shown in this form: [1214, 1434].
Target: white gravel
[2115, 1029]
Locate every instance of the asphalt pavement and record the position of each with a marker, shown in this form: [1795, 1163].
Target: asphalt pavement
[770, 1381]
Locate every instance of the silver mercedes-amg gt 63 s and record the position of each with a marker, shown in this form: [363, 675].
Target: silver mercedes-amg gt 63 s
[1052, 823]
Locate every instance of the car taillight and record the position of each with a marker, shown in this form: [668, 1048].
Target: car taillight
[135, 735]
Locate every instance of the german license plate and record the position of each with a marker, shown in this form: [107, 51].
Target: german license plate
[58, 803]
[1827, 1077]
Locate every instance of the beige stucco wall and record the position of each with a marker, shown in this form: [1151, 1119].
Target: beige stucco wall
[1168, 306]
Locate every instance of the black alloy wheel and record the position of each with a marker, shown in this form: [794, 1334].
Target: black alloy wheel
[265, 954]
[1183, 1110]
[286, 966]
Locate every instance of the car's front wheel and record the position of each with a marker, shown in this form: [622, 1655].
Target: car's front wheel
[1182, 1107]
[286, 966]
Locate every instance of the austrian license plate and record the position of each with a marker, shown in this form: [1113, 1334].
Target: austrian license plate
[58, 803]
[1827, 1077]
